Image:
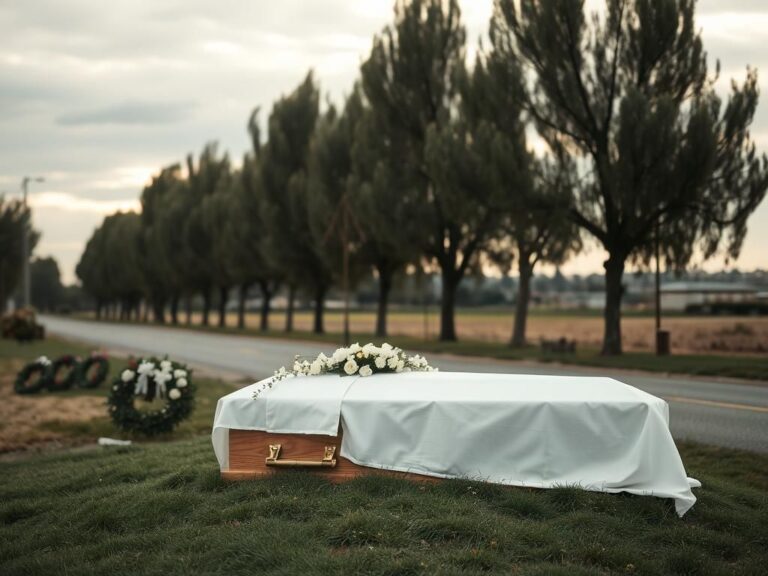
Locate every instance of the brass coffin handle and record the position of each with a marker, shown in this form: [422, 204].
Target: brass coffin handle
[328, 460]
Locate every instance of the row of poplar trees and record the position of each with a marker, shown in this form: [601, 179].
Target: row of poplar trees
[430, 162]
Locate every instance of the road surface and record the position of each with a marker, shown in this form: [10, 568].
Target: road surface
[701, 409]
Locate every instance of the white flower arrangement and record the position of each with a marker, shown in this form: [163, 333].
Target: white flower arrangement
[354, 360]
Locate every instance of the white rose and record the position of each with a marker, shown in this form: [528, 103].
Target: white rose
[366, 371]
[392, 362]
[166, 365]
[128, 375]
[340, 354]
[380, 362]
[181, 383]
[316, 367]
[355, 348]
[174, 394]
[387, 347]
[350, 367]
[400, 366]
[179, 373]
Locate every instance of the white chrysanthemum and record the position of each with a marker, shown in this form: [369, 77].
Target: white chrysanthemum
[366, 371]
[316, 367]
[392, 362]
[350, 367]
[128, 375]
[166, 365]
[380, 362]
[146, 368]
[174, 394]
[400, 366]
[387, 347]
[179, 373]
[181, 383]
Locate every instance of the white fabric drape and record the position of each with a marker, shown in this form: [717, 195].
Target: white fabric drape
[523, 430]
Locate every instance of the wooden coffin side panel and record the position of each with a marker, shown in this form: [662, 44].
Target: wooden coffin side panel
[248, 451]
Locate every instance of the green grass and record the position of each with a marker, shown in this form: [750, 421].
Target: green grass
[162, 509]
[745, 367]
[13, 356]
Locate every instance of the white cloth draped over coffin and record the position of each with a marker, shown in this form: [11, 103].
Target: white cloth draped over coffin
[523, 430]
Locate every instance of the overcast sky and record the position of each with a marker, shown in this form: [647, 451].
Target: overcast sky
[96, 96]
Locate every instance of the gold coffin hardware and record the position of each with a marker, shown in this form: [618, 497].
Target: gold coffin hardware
[328, 460]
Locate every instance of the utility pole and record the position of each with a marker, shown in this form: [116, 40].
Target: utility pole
[662, 337]
[347, 217]
[26, 290]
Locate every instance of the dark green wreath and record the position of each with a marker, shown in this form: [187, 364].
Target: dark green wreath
[67, 365]
[179, 400]
[33, 377]
[93, 371]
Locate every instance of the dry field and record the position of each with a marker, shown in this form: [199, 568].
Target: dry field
[689, 334]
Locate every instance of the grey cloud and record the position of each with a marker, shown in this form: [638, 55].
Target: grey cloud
[130, 113]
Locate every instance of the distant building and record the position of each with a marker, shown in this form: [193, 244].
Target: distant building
[706, 297]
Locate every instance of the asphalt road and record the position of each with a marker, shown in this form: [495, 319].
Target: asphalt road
[701, 409]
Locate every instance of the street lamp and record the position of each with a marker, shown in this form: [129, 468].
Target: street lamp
[25, 239]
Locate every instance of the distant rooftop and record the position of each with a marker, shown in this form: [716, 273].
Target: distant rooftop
[706, 287]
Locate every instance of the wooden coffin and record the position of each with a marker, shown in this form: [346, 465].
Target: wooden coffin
[254, 454]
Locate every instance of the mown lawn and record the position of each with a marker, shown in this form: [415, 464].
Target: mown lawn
[162, 509]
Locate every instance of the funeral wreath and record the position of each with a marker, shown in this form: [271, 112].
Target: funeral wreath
[93, 371]
[147, 380]
[354, 360]
[33, 377]
[63, 373]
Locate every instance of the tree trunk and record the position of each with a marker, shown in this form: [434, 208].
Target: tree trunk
[145, 312]
[188, 307]
[319, 307]
[158, 310]
[385, 285]
[98, 310]
[266, 301]
[175, 309]
[206, 305]
[289, 311]
[614, 271]
[223, 298]
[448, 305]
[243, 295]
[521, 305]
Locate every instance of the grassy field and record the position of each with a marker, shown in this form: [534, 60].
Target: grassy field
[689, 334]
[77, 416]
[747, 366]
[160, 508]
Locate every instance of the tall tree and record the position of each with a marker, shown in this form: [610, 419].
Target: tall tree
[384, 197]
[204, 179]
[161, 241]
[250, 229]
[629, 94]
[336, 231]
[409, 80]
[283, 179]
[45, 280]
[536, 194]
[13, 221]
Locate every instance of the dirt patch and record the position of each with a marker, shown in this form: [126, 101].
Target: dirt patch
[26, 421]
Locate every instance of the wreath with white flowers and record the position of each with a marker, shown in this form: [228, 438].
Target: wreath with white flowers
[354, 360]
[148, 379]
[33, 377]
